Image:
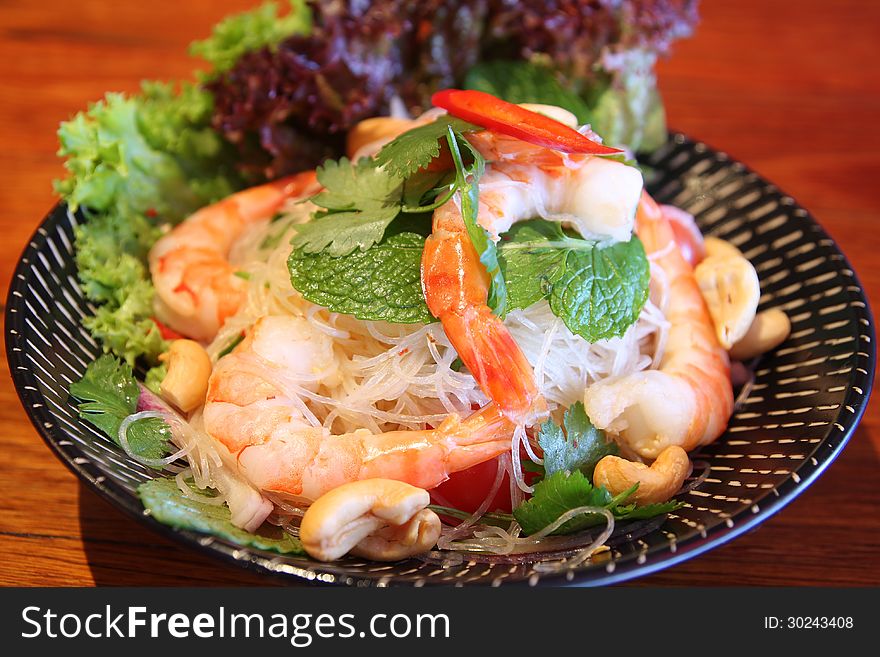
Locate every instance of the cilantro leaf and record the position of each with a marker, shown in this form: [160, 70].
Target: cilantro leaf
[561, 492]
[579, 446]
[557, 494]
[108, 393]
[381, 283]
[416, 148]
[167, 504]
[597, 290]
[360, 200]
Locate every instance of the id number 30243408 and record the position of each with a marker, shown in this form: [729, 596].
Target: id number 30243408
[808, 622]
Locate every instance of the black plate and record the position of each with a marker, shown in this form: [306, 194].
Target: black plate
[806, 399]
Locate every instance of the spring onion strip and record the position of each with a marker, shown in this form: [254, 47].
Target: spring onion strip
[495, 540]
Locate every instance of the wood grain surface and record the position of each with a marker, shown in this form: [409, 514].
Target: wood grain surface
[790, 87]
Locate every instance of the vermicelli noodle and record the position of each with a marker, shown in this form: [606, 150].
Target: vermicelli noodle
[400, 376]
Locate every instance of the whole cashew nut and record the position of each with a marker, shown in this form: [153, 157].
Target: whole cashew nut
[189, 368]
[657, 483]
[768, 331]
[397, 542]
[729, 285]
[381, 519]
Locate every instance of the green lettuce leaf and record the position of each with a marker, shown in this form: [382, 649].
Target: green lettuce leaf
[251, 30]
[133, 163]
[166, 503]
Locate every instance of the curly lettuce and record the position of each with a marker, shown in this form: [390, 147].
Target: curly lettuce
[251, 30]
[139, 162]
[135, 163]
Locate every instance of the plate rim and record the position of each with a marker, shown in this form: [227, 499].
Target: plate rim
[785, 492]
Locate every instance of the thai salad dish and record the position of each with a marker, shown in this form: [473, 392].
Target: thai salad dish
[385, 281]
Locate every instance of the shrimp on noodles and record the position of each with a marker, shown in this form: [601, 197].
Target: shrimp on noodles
[256, 409]
[688, 400]
[597, 196]
[196, 286]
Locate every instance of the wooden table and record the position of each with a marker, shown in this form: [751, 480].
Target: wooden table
[788, 86]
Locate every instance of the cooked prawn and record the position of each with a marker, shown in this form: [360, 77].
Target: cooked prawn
[256, 409]
[196, 286]
[456, 289]
[597, 196]
[688, 400]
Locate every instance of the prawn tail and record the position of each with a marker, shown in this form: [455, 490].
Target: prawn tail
[482, 436]
[496, 362]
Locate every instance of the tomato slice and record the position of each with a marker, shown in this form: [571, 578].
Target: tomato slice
[490, 112]
[465, 490]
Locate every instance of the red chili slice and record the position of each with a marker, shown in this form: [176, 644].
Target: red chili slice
[487, 111]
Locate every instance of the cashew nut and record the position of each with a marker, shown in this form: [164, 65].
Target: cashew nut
[730, 287]
[554, 112]
[716, 246]
[401, 541]
[189, 368]
[374, 132]
[381, 519]
[657, 483]
[768, 331]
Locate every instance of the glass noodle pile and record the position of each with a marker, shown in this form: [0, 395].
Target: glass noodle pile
[404, 376]
[280, 94]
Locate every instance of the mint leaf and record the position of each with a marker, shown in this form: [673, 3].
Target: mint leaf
[381, 283]
[167, 504]
[602, 290]
[360, 200]
[529, 262]
[579, 446]
[597, 290]
[557, 494]
[526, 82]
[416, 148]
[108, 393]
